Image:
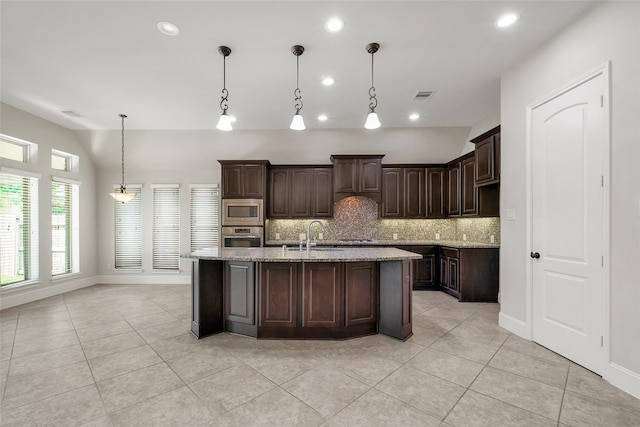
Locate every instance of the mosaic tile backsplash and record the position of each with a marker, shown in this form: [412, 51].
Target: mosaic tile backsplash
[357, 218]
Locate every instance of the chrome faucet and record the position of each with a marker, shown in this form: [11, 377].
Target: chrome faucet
[309, 234]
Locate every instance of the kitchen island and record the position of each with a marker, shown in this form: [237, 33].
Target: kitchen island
[327, 293]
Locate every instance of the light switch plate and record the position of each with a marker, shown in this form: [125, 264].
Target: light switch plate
[511, 214]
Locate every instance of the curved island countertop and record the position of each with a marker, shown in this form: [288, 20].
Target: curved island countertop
[292, 254]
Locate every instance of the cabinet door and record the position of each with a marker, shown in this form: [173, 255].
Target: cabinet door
[485, 161]
[392, 193]
[300, 185]
[469, 196]
[425, 272]
[239, 296]
[435, 193]
[444, 272]
[232, 181]
[279, 294]
[453, 273]
[322, 192]
[453, 190]
[369, 171]
[253, 177]
[361, 293]
[344, 175]
[496, 143]
[279, 193]
[414, 192]
[322, 295]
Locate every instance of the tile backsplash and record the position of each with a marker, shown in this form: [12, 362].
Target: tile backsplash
[357, 218]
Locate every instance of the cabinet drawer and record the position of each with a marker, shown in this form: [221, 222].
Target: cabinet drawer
[450, 253]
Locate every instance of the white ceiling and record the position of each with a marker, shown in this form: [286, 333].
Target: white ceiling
[100, 59]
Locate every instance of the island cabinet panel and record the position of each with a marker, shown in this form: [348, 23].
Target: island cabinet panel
[206, 298]
[436, 192]
[395, 299]
[361, 293]
[414, 193]
[240, 298]
[279, 294]
[392, 205]
[322, 295]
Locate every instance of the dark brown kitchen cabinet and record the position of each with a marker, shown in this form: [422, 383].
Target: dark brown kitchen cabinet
[244, 180]
[453, 189]
[449, 279]
[487, 155]
[470, 274]
[393, 186]
[240, 298]
[279, 294]
[357, 176]
[361, 293]
[436, 192]
[322, 294]
[468, 190]
[414, 193]
[300, 192]
[425, 270]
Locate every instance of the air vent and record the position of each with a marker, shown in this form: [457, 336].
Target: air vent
[424, 94]
[71, 113]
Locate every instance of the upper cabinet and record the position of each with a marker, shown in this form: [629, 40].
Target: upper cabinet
[244, 179]
[412, 192]
[357, 176]
[452, 199]
[300, 192]
[468, 190]
[487, 155]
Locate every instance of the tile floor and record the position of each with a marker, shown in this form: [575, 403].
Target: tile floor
[116, 355]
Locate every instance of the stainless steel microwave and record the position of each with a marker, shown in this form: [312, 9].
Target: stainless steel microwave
[242, 212]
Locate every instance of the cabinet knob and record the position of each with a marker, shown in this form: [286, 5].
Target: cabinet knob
[535, 255]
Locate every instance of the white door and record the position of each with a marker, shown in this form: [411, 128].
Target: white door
[568, 282]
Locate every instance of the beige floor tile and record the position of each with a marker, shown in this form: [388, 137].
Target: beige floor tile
[139, 309]
[149, 320]
[230, 388]
[45, 343]
[179, 407]
[424, 337]
[483, 332]
[446, 366]
[437, 324]
[30, 333]
[201, 363]
[133, 387]
[467, 349]
[524, 393]
[112, 344]
[179, 346]
[74, 407]
[367, 369]
[39, 362]
[423, 391]
[273, 408]
[580, 410]
[376, 409]
[166, 330]
[280, 365]
[123, 362]
[520, 345]
[6, 348]
[99, 422]
[585, 382]
[546, 371]
[27, 389]
[90, 318]
[475, 409]
[103, 331]
[326, 390]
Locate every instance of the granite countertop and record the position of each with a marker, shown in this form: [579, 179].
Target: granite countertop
[322, 254]
[458, 244]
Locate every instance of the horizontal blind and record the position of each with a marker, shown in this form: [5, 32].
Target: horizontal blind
[18, 228]
[61, 227]
[128, 232]
[204, 217]
[166, 228]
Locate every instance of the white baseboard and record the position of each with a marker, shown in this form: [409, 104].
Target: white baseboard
[624, 379]
[514, 325]
[144, 279]
[42, 291]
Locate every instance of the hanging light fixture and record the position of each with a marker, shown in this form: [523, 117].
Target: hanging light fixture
[298, 122]
[225, 121]
[372, 118]
[122, 196]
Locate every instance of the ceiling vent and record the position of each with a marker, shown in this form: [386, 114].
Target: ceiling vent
[71, 113]
[424, 94]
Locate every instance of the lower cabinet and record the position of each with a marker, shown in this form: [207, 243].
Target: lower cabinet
[425, 270]
[361, 293]
[322, 294]
[279, 294]
[240, 298]
[470, 274]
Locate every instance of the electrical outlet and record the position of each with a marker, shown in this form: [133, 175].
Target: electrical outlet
[395, 236]
[277, 236]
[437, 236]
[320, 236]
[303, 236]
[492, 238]
[464, 237]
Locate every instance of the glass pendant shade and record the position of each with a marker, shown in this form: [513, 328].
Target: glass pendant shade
[298, 122]
[225, 122]
[372, 121]
[122, 196]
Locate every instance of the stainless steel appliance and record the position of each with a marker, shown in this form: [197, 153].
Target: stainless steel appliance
[242, 237]
[242, 212]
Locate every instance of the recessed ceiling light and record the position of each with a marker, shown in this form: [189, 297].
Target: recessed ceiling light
[168, 28]
[322, 117]
[328, 81]
[334, 25]
[414, 116]
[507, 20]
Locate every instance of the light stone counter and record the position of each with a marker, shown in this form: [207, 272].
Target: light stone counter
[292, 254]
[458, 244]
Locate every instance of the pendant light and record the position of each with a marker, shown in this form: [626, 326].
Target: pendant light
[225, 121]
[122, 196]
[298, 122]
[372, 118]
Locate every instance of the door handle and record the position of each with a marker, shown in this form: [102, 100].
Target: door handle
[535, 255]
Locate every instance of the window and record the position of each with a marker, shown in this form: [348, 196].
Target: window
[166, 227]
[16, 149]
[64, 227]
[18, 227]
[128, 232]
[204, 216]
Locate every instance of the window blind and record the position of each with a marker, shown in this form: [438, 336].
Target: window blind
[204, 217]
[166, 228]
[128, 232]
[61, 227]
[18, 228]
